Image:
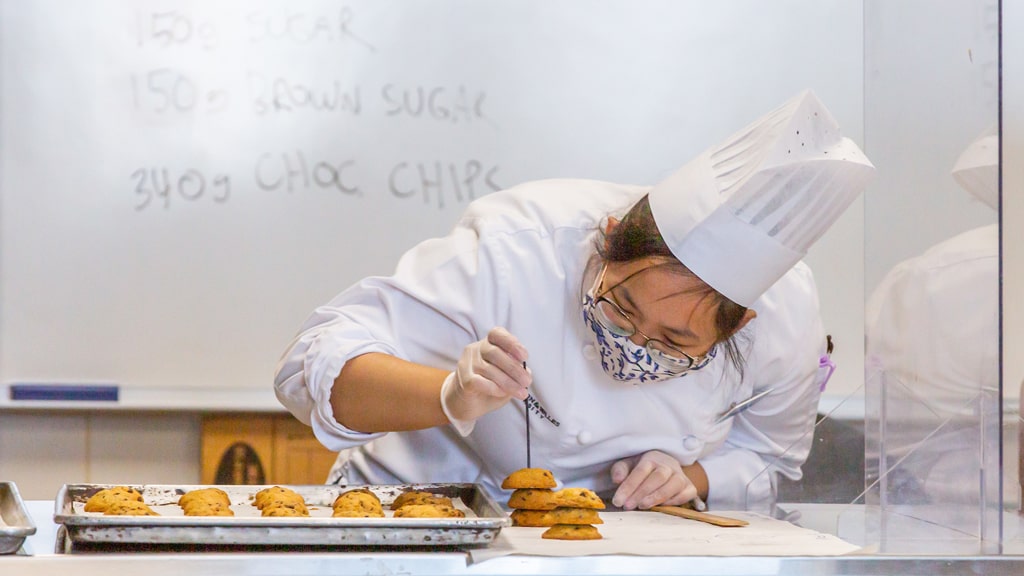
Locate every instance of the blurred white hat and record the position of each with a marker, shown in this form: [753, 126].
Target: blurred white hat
[741, 214]
[977, 169]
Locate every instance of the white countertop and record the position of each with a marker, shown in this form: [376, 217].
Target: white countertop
[39, 556]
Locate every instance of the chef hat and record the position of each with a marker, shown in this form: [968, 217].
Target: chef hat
[741, 214]
[977, 169]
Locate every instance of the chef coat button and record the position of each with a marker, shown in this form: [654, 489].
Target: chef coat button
[590, 352]
[692, 443]
[584, 437]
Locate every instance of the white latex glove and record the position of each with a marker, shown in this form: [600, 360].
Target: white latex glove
[652, 479]
[489, 373]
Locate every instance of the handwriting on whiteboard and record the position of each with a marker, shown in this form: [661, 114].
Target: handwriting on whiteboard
[201, 65]
[436, 184]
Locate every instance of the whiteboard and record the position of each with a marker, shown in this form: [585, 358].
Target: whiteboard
[181, 183]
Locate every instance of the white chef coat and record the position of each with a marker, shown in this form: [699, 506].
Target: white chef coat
[932, 324]
[932, 334]
[516, 259]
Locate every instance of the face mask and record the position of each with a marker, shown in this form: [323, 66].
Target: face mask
[621, 358]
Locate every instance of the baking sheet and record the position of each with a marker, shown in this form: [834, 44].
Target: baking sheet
[484, 519]
[15, 522]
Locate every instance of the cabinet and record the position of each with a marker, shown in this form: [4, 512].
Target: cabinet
[261, 448]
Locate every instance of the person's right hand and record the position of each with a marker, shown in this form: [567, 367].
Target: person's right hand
[651, 479]
[489, 373]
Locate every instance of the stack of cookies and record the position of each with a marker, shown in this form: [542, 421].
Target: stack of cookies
[206, 502]
[118, 501]
[278, 501]
[358, 503]
[568, 514]
[419, 504]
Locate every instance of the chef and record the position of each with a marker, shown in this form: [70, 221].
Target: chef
[656, 344]
[932, 350]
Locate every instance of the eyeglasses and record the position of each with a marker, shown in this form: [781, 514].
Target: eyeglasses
[613, 318]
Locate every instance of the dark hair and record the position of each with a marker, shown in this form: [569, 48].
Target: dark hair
[637, 236]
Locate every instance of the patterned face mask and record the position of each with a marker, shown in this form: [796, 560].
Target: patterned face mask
[624, 360]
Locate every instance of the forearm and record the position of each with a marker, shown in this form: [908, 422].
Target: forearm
[381, 393]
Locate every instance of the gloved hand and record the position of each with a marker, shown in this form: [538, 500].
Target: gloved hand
[489, 373]
[652, 479]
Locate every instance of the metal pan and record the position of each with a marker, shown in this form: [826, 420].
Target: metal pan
[484, 519]
[15, 522]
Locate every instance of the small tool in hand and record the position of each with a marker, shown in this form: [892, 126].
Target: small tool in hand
[526, 405]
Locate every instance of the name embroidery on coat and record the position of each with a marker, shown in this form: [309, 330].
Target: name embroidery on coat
[534, 406]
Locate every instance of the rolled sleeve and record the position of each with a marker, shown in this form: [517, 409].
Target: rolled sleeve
[306, 375]
[426, 313]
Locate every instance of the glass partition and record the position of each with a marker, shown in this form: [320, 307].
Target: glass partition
[932, 397]
[929, 418]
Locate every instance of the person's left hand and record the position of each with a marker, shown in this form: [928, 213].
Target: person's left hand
[652, 479]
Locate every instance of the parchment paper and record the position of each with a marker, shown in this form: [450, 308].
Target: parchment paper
[656, 534]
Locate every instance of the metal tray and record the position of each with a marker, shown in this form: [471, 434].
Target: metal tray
[15, 522]
[484, 519]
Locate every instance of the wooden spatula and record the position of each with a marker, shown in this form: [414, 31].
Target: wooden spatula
[700, 516]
